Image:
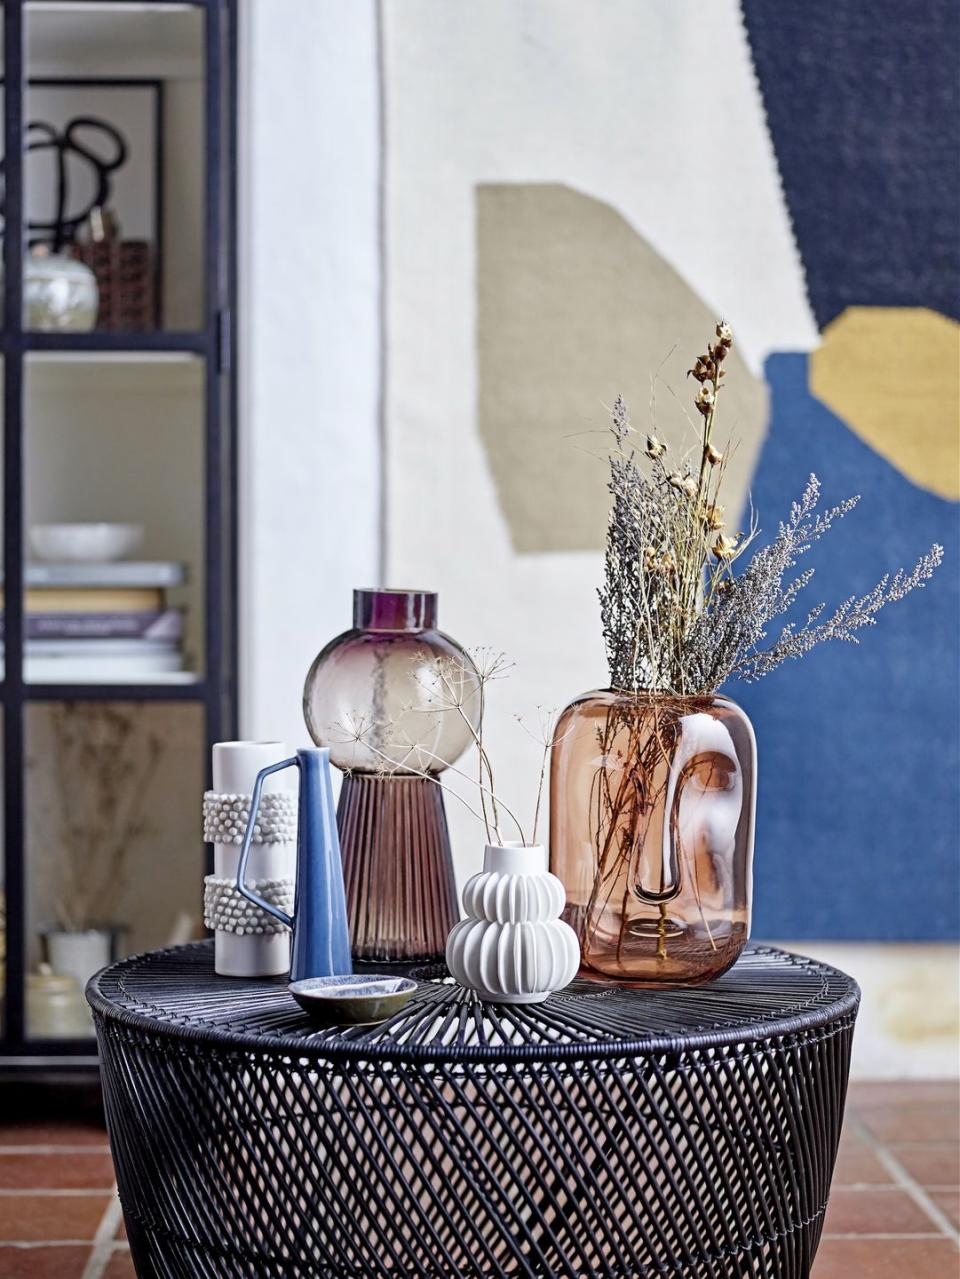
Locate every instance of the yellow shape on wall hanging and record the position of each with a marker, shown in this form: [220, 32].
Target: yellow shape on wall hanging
[893, 375]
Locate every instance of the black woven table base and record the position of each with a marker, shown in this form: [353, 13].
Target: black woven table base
[609, 1132]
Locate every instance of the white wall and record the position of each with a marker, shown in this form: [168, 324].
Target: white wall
[312, 376]
[908, 1026]
[598, 98]
[309, 341]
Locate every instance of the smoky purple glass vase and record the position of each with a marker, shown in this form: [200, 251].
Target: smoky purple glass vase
[396, 702]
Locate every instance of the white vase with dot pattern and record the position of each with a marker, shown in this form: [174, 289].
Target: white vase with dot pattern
[235, 769]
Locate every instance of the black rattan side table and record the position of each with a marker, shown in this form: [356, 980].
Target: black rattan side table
[609, 1132]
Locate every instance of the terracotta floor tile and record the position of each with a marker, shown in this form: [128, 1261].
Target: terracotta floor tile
[857, 1165]
[912, 1123]
[38, 1217]
[43, 1263]
[948, 1201]
[930, 1164]
[876, 1212]
[82, 1171]
[52, 1134]
[936, 1092]
[120, 1266]
[886, 1259]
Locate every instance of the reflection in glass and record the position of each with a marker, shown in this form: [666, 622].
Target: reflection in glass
[114, 520]
[113, 174]
[113, 850]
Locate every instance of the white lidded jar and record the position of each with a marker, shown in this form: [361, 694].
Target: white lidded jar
[60, 293]
[513, 947]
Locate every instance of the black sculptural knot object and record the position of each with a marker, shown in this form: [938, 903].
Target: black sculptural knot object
[381, 696]
[606, 1132]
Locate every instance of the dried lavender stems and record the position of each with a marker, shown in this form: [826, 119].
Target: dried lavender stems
[676, 616]
[728, 638]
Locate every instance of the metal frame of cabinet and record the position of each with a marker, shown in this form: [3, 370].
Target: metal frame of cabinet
[214, 343]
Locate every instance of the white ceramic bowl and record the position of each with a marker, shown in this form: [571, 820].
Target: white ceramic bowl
[84, 543]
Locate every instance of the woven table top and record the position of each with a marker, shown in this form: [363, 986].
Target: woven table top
[768, 993]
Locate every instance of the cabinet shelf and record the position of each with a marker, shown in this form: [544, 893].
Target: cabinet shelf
[60, 1055]
[99, 345]
[179, 687]
[161, 38]
[183, 687]
[105, 373]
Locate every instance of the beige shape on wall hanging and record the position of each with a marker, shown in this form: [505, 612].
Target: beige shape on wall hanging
[573, 308]
[893, 375]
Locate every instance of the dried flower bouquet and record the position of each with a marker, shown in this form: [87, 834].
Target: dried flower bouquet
[656, 775]
[677, 616]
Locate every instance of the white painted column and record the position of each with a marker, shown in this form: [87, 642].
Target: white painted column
[309, 338]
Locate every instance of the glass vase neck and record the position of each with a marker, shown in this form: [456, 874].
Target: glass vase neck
[388, 610]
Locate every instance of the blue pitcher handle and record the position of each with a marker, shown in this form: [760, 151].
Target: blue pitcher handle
[250, 895]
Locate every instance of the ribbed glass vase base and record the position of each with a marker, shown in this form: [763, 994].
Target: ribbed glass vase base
[401, 893]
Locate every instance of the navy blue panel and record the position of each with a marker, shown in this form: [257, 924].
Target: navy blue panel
[858, 829]
[863, 104]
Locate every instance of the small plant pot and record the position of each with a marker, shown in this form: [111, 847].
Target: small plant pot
[81, 954]
[56, 1008]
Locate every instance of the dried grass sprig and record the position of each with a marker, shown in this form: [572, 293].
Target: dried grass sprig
[86, 834]
[453, 686]
[678, 617]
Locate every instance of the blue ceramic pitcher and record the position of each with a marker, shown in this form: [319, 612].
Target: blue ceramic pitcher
[321, 941]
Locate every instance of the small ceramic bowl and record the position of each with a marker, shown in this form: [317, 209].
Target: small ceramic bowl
[352, 1000]
[84, 543]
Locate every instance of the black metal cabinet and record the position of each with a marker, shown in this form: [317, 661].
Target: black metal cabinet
[202, 350]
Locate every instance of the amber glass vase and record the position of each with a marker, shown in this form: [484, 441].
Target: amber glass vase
[652, 810]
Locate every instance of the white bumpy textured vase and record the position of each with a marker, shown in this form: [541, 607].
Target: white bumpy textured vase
[513, 947]
[235, 768]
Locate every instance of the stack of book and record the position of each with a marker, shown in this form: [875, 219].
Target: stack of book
[92, 623]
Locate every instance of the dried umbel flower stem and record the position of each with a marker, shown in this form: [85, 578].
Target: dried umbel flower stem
[546, 738]
[450, 689]
[451, 686]
[358, 728]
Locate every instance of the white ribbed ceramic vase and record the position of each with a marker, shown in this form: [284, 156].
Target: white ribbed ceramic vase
[513, 947]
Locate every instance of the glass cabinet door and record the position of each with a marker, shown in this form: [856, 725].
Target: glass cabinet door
[117, 494]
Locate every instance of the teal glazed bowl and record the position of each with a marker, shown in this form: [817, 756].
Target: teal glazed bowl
[350, 1000]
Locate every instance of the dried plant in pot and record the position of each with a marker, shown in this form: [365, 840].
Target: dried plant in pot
[98, 767]
[512, 947]
[653, 780]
